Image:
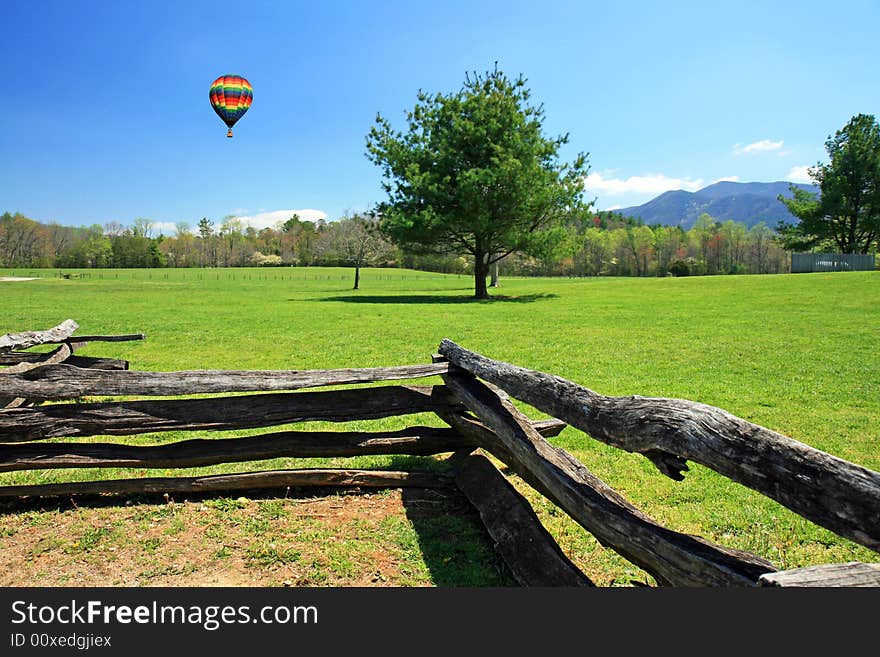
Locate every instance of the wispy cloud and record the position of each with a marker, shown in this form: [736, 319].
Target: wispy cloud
[163, 228]
[763, 146]
[652, 183]
[259, 220]
[799, 174]
[273, 218]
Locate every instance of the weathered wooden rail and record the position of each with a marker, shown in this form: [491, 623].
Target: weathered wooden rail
[474, 402]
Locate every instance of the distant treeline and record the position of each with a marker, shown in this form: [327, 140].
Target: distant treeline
[605, 244]
[610, 244]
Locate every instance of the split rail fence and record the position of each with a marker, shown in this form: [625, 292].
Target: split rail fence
[474, 402]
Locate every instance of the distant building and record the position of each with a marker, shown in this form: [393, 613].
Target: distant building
[815, 262]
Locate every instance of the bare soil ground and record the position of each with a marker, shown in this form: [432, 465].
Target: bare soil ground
[342, 539]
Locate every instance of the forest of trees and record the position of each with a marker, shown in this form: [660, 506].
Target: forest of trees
[602, 244]
[613, 245]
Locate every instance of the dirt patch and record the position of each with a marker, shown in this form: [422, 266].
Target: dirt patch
[344, 539]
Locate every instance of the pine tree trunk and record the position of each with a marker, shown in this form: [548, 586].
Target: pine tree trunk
[481, 270]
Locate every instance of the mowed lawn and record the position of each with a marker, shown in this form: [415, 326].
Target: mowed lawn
[795, 353]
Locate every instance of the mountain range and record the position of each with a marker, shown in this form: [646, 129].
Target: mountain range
[748, 203]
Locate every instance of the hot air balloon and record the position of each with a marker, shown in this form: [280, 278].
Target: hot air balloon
[231, 96]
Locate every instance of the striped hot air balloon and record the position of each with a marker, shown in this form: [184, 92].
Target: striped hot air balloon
[231, 96]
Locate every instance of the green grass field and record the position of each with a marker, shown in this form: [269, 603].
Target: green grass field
[795, 353]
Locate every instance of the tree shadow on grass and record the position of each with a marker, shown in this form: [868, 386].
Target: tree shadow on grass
[434, 299]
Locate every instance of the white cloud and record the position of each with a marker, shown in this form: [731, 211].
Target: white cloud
[726, 179]
[652, 183]
[163, 228]
[613, 207]
[799, 174]
[762, 146]
[273, 218]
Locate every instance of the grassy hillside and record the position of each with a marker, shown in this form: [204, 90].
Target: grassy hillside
[795, 353]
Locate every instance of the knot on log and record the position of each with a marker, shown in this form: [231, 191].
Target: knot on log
[667, 463]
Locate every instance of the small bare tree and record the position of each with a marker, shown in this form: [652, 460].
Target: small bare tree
[355, 241]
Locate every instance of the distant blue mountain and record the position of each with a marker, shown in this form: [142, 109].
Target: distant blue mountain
[749, 203]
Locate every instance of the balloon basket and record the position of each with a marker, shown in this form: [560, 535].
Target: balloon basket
[229, 132]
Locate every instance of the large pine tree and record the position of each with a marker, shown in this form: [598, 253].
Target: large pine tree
[474, 174]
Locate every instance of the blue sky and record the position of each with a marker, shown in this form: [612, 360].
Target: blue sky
[107, 115]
